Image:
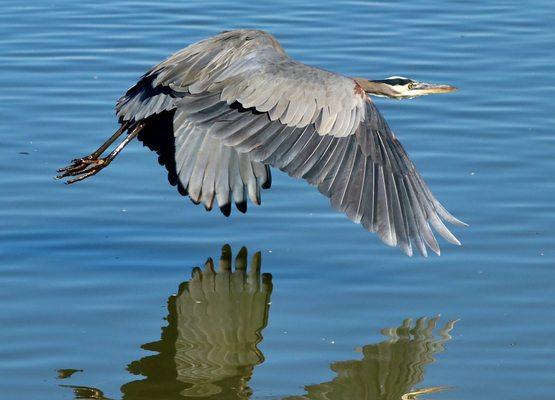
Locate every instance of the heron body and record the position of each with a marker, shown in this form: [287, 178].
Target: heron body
[240, 105]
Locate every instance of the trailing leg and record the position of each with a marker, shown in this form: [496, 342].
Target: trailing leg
[90, 165]
[79, 164]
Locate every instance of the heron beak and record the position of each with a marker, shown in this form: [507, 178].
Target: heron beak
[423, 88]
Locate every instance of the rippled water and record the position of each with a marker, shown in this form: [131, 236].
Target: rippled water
[97, 277]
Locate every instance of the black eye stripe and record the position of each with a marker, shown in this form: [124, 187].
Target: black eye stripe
[395, 81]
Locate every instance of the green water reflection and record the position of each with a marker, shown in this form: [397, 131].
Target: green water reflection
[209, 349]
[389, 370]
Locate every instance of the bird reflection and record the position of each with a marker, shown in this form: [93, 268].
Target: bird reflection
[388, 370]
[86, 393]
[209, 349]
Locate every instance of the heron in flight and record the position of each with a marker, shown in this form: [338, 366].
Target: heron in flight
[240, 105]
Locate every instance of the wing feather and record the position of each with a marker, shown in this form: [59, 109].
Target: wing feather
[367, 175]
[208, 170]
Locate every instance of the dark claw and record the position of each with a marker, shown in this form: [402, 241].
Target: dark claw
[81, 168]
[83, 176]
[71, 166]
[83, 160]
[72, 171]
[69, 170]
[78, 163]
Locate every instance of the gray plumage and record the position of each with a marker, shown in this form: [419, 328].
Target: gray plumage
[242, 105]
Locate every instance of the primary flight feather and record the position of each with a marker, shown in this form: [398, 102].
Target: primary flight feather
[240, 105]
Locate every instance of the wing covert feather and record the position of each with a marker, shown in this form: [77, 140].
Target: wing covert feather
[251, 68]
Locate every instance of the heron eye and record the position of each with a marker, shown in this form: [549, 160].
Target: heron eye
[411, 86]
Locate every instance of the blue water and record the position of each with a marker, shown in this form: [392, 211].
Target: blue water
[88, 272]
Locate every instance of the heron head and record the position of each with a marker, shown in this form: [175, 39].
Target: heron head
[398, 87]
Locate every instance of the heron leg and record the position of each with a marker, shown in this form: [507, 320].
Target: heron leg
[91, 166]
[108, 142]
[80, 164]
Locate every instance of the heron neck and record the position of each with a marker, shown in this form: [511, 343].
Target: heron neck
[376, 88]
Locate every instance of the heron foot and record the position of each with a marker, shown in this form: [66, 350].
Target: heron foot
[77, 164]
[90, 165]
[83, 168]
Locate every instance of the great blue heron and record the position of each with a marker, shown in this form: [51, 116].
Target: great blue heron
[240, 104]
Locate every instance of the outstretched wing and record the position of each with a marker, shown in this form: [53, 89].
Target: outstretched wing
[241, 89]
[368, 174]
